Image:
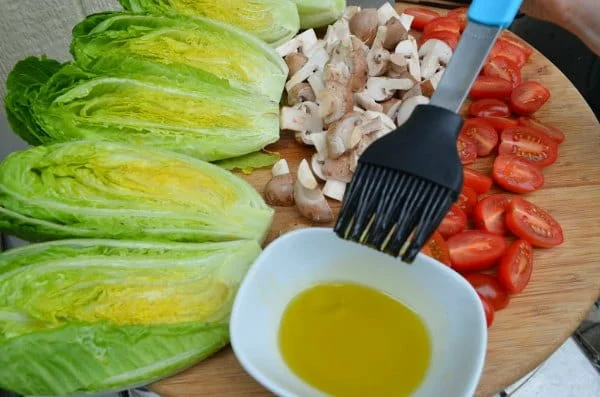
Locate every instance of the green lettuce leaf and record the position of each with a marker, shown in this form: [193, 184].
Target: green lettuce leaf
[177, 46]
[91, 316]
[205, 118]
[274, 21]
[317, 13]
[249, 162]
[89, 189]
[22, 87]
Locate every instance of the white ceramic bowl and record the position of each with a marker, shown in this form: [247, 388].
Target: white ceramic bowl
[298, 260]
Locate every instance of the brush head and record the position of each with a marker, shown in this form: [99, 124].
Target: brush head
[404, 185]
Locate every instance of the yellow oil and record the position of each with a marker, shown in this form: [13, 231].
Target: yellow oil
[350, 340]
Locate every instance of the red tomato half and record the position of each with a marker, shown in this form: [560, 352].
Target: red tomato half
[500, 123]
[437, 249]
[467, 200]
[467, 149]
[516, 266]
[490, 289]
[474, 250]
[442, 24]
[422, 16]
[529, 222]
[528, 97]
[448, 37]
[552, 132]
[477, 181]
[460, 14]
[454, 222]
[516, 174]
[489, 214]
[516, 41]
[530, 144]
[507, 49]
[488, 309]
[491, 87]
[482, 133]
[489, 107]
[504, 68]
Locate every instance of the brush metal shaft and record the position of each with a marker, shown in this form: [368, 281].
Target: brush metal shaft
[464, 67]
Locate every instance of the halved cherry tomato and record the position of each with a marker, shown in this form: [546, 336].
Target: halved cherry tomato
[454, 222]
[528, 97]
[460, 14]
[552, 132]
[502, 67]
[477, 181]
[488, 309]
[516, 266]
[474, 250]
[442, 24]
[467, 200]
[500, 123]
[529, 222]
[422, 16]
[516, 41]
[489, 107]
[516, 174]
[530, 144]
[467, 149]
[437, 249]
[488, 287]
[491, 87]
[482, 133]
[489, 214]
[448, 37]
[507, 49]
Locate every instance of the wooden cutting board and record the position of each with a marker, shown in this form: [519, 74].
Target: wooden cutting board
[565, 281]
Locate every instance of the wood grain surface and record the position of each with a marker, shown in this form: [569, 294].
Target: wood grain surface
[565, 282]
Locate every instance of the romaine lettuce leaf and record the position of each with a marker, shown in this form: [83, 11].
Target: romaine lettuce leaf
[274, 21]
[318, 13]
[249, 162]
[109, 190]
[89, 316]
[190, 44]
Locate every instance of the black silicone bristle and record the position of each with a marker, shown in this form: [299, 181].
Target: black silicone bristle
[391, 211]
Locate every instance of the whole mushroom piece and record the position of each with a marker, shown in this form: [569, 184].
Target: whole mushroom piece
[279, 191]
[310, 201]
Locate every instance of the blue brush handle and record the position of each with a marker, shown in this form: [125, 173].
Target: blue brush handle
[500, 13]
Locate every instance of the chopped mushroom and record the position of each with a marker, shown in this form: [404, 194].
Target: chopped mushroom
[310, 201]
[385, 13]
[407, 21]
[383, 88]
[331, 39]
[395, 34]
[364, 25]
[414, 91]
[295, 62]
[388, 123]
[316, 62]
[279, 191]
[378, 59]
[303, 42]
[316, 163]
[352, 56]
[391, 106]
[409, 50]
[303, 118]
[408, 107]
[340, 169]
[301, 93]
[335, 100]
[428, 87]
[366, 102]
[343, 136]
[350, 12]
[316, 82]
[334, 189]
[337, 71]
[435, 54]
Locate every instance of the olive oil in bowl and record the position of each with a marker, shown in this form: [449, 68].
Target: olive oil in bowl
[347, 339]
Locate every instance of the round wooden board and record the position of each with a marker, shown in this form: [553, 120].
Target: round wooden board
[565, 282]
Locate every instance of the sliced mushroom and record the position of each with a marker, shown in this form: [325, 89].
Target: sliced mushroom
[378, 59]
[316, 62]
[343, 136]
[409, 50]
[398, 67]
[414, 91]
[334, 189]
[340, 169]
[303, 41]
[279, 191]
[428, 87]
[407, 21]
[385, 13]
[337, 71]
[383, 88]
[295, 61]
[391, 106]
[331, 39]
[316, 163]
[345, 52]
[310, 201]
[301, 93]
[342, 28]
[395, 34]
[316, 82]
[435, 54]
[408, 107]
[350, 12]
[335, 100]
[388, 123]
[364, 24]
[302, 117]
[366, 102]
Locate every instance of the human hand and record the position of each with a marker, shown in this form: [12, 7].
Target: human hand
[580, 17]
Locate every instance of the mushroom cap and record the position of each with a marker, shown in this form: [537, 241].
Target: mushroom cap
[279, 191]
[334, 101]
[364, 25]
[295, 62]
[395, 33]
